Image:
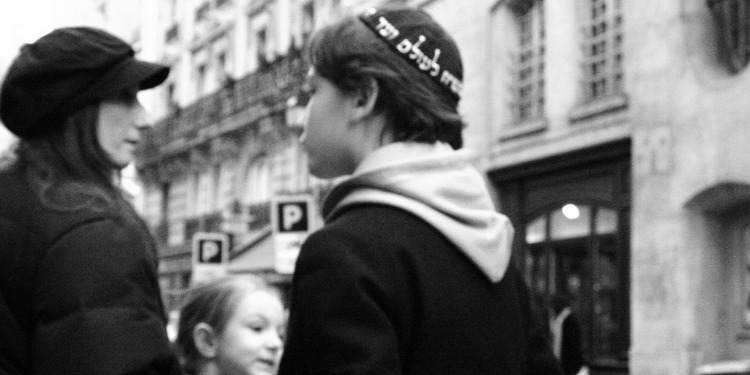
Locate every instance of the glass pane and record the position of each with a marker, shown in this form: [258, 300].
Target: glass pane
[537, 270]
[536, 230]
[746, 274]
[606, 221]
[606, 295]
[570, 221]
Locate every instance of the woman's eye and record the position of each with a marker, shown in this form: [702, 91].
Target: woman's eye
[128, 97]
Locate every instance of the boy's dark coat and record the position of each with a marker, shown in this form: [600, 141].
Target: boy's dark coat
[379, 291]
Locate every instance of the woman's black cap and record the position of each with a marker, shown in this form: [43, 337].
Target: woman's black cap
[64, 71]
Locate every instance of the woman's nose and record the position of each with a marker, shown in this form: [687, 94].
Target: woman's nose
[141, 116]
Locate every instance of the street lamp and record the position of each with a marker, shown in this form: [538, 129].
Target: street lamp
[295, 115]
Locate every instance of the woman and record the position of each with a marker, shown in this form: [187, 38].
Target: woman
[411, 273]
[233, 326]
[78, 287]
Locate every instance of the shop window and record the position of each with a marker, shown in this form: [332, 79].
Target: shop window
[577, 250]
[570, 221]
[536, 231]
[746, 277]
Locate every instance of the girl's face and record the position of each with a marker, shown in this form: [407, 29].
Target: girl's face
[251, 342]
[121, 117]
[327, 135]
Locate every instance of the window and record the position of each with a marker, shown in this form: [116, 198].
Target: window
[284, 171]
[223, 68]
[258, 182]
[176, 211]
[576, 250]
[308, 21]
[202, 193]
[200, 80]
[603, 70]
[261, 44]
[529, 62]
[733, 20]
[201, 13]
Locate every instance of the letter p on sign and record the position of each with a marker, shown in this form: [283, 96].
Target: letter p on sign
[292, 216]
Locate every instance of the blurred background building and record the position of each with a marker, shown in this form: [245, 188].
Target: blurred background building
[614, 134]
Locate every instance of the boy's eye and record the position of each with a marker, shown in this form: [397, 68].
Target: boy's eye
[308, 89]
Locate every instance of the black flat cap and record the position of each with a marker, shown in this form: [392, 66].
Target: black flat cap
[65, 70]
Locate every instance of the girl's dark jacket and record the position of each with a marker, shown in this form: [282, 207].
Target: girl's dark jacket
[412, 275]
[78, 290]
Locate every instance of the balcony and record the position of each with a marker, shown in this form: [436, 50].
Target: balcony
[206, 223]
[247, 100]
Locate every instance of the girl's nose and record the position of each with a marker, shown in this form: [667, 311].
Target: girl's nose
[274, 340]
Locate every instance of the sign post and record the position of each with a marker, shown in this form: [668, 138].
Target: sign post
[210, 256]
[291, 216]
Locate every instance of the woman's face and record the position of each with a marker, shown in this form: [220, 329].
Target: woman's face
[251, 342]
[121, 117]
[326, 136]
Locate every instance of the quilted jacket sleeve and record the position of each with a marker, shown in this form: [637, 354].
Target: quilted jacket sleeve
[97, 305]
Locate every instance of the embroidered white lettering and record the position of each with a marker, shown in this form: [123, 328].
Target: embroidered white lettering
[404, 46]
[416, 52]
[435, 66]
[386, 29]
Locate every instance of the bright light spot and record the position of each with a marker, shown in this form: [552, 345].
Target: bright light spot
[571, 211]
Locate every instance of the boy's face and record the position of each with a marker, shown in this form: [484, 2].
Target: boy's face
[327, 138]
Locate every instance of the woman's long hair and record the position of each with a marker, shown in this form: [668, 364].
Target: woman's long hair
[67, 168]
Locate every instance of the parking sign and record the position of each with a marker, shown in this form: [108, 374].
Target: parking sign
[210, 256]
[291, 217]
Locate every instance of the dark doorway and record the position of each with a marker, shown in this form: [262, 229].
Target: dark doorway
[572, 219]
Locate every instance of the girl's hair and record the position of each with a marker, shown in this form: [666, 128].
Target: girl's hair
[348, 54]
[212, 303]
[67, 168]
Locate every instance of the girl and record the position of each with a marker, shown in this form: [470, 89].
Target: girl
[233, 326]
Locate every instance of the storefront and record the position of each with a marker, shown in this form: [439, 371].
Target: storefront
[572, 219]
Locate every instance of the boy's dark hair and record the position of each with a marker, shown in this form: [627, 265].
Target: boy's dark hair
[348, 54]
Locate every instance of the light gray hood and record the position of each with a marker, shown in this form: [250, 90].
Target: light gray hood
[440, 186]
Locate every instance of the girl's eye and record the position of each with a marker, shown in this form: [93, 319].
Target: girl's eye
[257, 328]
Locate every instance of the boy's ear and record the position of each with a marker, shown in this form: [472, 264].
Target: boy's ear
[206, 340]
[365, 99]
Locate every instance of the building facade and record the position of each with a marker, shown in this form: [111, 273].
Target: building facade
[612, 132]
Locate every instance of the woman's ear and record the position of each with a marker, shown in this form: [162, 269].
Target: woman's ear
[365, 99]
[206, 340]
